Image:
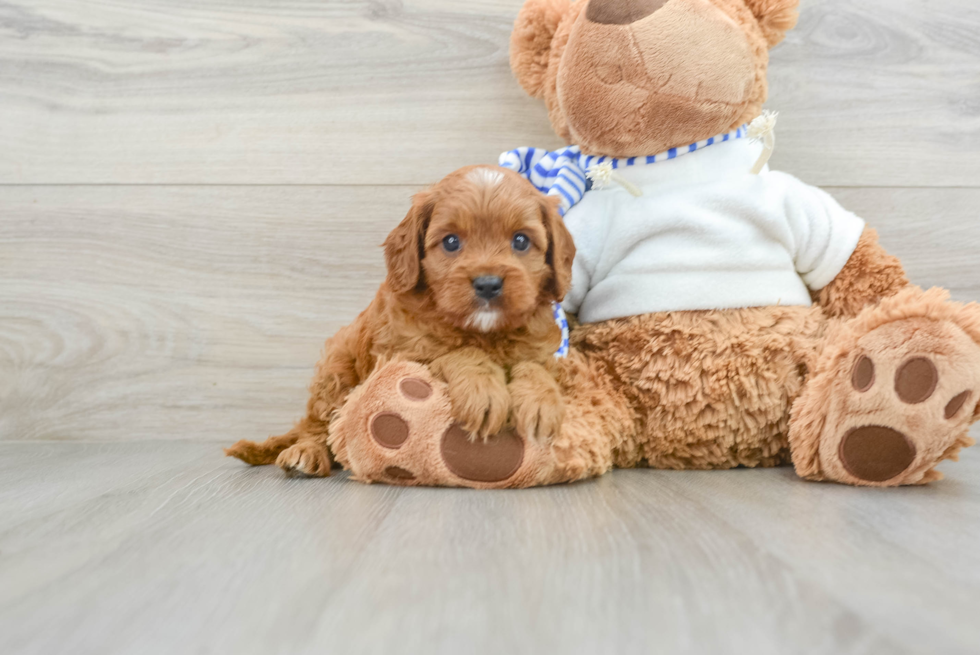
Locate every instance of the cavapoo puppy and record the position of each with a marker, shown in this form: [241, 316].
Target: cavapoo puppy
[474, 274]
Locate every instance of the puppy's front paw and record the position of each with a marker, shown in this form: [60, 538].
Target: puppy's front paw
[480, 404]
[538, 405]
[305, 458]
[539, 419]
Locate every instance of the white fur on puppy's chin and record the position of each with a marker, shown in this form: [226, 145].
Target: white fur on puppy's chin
[484, 319]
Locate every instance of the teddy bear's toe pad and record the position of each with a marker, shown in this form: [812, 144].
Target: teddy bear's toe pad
[916, 380]
[956, 404]
[389, 429]
[398, 473]
[415, 389]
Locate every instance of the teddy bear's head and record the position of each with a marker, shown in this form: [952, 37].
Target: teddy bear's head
[628, 78]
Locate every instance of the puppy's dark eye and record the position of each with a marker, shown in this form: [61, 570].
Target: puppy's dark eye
[521, 242]
[451, 243]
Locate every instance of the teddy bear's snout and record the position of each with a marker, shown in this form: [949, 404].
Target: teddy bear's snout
[621, 12]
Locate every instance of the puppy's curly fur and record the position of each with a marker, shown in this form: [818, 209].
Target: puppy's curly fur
[495, 355]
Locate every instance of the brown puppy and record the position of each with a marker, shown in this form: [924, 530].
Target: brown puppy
[473, 270]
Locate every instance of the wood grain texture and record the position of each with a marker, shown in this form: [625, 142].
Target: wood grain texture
[149, 312]
[876, 93]
[170, 548]
[131, 313]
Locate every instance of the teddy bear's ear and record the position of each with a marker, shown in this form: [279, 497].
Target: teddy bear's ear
[530, 44]
[776, 17]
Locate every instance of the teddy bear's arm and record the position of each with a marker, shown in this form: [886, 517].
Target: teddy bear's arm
[869, 275]
[843, 277]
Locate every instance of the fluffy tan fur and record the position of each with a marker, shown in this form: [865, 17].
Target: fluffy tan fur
[870, 275]
[776, 17]
[424, 312]
[710, 389]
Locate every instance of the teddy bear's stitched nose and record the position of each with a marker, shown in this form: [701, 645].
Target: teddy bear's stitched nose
[621, 12]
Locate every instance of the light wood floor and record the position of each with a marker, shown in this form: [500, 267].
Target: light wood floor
[191, 197]
[164, 547]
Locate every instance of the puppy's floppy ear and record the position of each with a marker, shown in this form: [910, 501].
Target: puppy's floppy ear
[776, 17]
[405, 245]
[530, 42]
[561, 249]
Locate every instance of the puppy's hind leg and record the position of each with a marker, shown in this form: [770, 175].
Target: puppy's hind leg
[259, 454]
[303, 450]
[309, 456]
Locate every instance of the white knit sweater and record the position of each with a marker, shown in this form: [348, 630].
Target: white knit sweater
[705, 234]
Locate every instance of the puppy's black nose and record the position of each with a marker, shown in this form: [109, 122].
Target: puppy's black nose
[488, 287]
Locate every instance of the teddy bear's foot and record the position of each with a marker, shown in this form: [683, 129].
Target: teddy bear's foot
[397, 428]
[893, 395]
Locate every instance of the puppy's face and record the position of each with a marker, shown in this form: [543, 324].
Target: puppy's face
[487, 247]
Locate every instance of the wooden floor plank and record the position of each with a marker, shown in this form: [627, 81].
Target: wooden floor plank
[907, 540]
[196, 553]
[877, 93]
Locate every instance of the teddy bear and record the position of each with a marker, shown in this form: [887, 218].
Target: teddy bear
[728, 315]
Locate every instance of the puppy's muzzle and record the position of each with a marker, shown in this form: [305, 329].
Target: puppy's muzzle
[488, 287]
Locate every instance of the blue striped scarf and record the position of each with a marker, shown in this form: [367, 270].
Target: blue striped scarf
[562, 322]
[563, 173]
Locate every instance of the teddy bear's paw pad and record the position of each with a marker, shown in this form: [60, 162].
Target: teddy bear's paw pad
[907, 405]
[495, 459]
[875, 453]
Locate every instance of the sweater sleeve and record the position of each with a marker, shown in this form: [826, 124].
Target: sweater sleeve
[824, 233]
[588, 245]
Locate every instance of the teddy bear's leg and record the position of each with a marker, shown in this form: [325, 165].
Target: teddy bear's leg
[712, 389]
[397, 428]
[893, 393]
